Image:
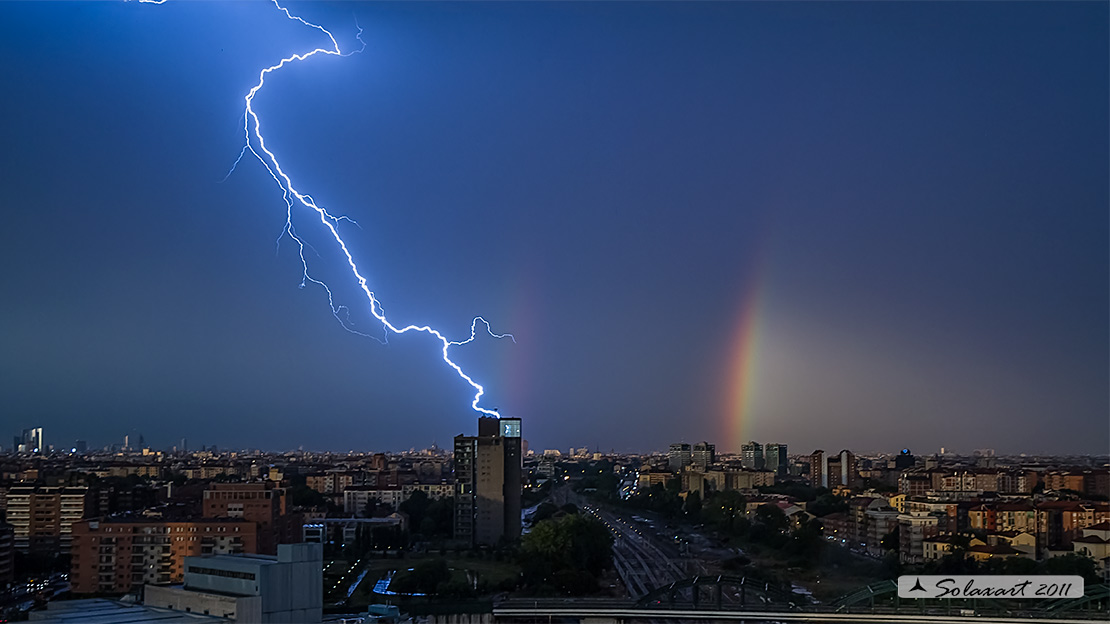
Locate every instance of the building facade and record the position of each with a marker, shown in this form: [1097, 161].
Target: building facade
[679, 455]
[42, 517]
[703, 455]
[775, 459]
[488, 471]
[751, 456]
[263, 503]
[114, 555]
[250, 588]
[830, 471]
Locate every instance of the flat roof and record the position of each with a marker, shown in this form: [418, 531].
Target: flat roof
[104, 611]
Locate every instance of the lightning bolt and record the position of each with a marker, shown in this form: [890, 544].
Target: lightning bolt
[255, 143]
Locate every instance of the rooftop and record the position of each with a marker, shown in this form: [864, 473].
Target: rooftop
[104, 611]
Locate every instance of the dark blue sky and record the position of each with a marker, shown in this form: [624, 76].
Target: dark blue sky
[861, 225]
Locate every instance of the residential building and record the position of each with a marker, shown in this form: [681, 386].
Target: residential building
[7, 555]
[881, 521]
[913, 529]
[262, 502]
[830, 471]
[986, 552]
[694, 480]
[42, 517]
[838, 527]
[114, 554]
[355, 499]
[1094, 542]
[915, 482]
[1059, 522]
[488, 485]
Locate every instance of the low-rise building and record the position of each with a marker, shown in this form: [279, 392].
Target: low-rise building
[355, 499]
[1094, 542]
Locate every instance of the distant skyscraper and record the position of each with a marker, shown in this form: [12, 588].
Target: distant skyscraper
[488, 482]
[80, 446]
[775, 459]
[679, 456]
[704, 454]
[126, 442]
[751, 455]
[30, 441]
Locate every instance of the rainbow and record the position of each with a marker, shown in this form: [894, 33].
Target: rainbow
[740, 369]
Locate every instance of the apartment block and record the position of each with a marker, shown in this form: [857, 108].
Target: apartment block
[42, 517]
[115, 554]
[262, 503]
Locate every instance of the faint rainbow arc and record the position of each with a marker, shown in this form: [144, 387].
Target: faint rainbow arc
[742, 363]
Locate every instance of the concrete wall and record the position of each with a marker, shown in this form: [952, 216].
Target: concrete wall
[239, 609]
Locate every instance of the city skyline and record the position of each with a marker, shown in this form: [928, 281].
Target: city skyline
[572, 451]
[835, 225]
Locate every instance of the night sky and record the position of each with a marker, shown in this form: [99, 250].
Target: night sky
[832, 225]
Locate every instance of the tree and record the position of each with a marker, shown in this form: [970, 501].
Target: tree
[441, 511]
[770, 523]
[558, 550]
[827, 504]
[723, 509]
[416, 506]
[659, 498]
[806, 539]
[544, 511]
[771, 516]
[892, 541]
[304, 496]
[1072, 564]
[692, 508]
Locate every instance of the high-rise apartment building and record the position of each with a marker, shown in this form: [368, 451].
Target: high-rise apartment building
[43, 517]
[488, 482]
[830, 471]
[679, 456]
[751, 456]
[775, 459]
[704, 455]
